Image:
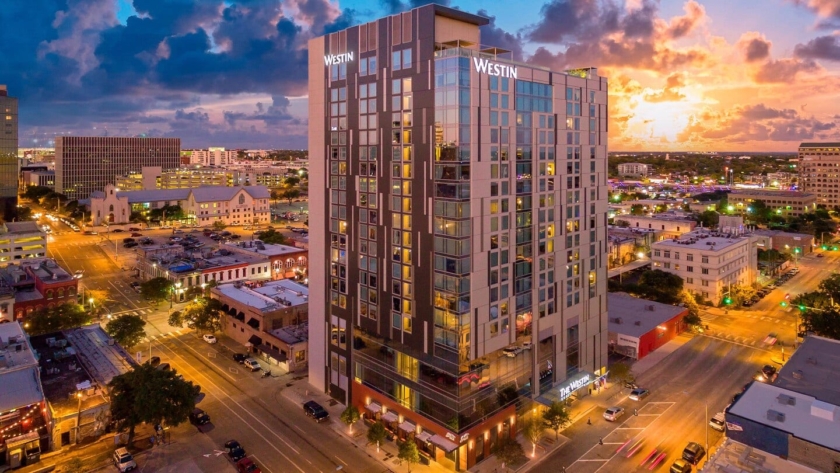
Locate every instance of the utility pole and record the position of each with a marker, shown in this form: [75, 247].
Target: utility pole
[706, 427]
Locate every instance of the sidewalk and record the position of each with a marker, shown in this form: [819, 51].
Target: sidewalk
[301, 391]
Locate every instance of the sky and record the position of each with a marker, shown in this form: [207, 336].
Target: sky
[695, 75]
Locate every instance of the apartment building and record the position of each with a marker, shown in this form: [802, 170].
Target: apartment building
[634, 169]
[202, 206]
[186, 178]
[86, 164]
[9, 164]
[784, 203]
[709, 263]
[213, 156]
[795, 420]
[819, 171]
[458, 206]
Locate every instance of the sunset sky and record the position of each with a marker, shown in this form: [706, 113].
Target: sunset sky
[751, 75]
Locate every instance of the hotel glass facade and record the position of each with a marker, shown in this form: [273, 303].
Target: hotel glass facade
[9, 164]
[463, 210]
[84, 164]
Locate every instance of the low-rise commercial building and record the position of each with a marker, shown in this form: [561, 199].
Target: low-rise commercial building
[36, 284]
[640, 326]
[664, 226]
[796, 244]
[797, 418]
[784, 203]
[286, 261]
[24, 419]
[710, 263]
[202, 206]
[21, 240]
[190, 270]
[270, 318]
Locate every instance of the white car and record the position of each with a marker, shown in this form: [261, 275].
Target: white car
[613, 413]
[252, 364]
[209, 338]
[527, 345]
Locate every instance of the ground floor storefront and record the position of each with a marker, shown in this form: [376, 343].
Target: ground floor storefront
[457, 451]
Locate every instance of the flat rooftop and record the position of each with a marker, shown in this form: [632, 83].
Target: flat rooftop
[636, 315]
[293, 333]
[177, 260]
[710, 241]
[266, 297]
[734, 456]
[814, 370]
[12, 336]
[810, 419]
[770, 193]
[262, 248]
[657, 218]
[23, 227]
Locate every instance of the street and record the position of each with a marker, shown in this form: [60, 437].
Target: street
[703, 373]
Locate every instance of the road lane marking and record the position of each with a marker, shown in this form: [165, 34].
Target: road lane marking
[264, 467]
[339, 459]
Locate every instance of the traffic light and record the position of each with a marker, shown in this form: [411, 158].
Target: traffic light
[784, 304]
[825, 247]
[796, 250]
[802, 307]
[727, 300]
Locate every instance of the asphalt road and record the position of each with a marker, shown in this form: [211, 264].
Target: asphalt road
[703, 372]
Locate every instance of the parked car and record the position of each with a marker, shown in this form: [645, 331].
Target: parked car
[240, 357]
[128, 240]
[718, 422]
[199, 417]
[123, 460]
[209, 338]
[512, 351]
[314, 410]
[769, 371]
[680, 466]
[130, 244]
[639, 393]
[246, 465]
[253, 364]
[234, 450]
[527, 345]
[136, 234]
[117, 230]
[154, 361]
[693, 453]
[613, 413]
[133, 229]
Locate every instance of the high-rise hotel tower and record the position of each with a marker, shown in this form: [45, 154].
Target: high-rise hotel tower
[458, 228]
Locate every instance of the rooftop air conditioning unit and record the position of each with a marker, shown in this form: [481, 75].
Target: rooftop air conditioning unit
[786, 400]
[775, 416]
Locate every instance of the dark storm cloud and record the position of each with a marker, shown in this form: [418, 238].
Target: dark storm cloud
[823, 47]
[754, 47]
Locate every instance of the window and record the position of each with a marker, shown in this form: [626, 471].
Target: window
[690, 269]
[704, 259]
[704, 270]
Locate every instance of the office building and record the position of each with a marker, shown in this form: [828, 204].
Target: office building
[213, 156]
[9, 164]
[85, 164]
[633, 169]
[784, 203]
[709, 263]
[819, 171]
[457, 207]
[796, 418]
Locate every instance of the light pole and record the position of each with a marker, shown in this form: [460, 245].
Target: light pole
[707, 427]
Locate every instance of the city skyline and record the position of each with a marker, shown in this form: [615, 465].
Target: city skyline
[694, 75]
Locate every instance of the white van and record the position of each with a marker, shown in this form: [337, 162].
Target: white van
[718, 422]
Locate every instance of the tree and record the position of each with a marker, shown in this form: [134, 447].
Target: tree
[127, 330]
[660, 286]
[291, 181]
[203, 314]
[557, 417]
[98, 297]
[532, 429]
[54, 319]
[409, 454]
[147, 394]
[508, 451]
[138, 217]
[350, 416]
[290, 194]
[825, 322]
[708, 219]
[637, 209]
[35, 193]
[830, 286]
[219, 225]
[376, 434]
[156, 289]
[621, 373]
[273, 236]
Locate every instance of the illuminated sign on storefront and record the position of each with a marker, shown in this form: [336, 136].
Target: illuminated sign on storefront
[494, 69]
[331, 59]
[574, 385]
